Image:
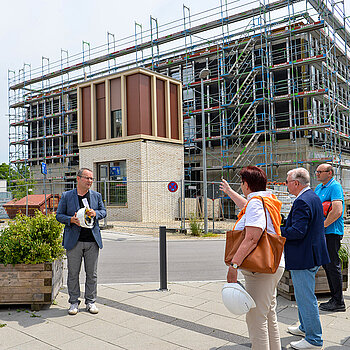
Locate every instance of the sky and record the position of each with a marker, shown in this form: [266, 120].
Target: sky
[36, 28]
[32, 29]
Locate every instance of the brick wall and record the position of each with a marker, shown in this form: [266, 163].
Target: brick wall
[150, 166]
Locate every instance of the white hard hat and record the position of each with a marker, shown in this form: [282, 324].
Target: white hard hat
[236, 299]
[85, 220]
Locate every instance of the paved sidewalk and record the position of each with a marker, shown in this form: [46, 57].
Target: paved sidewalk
[138, 316]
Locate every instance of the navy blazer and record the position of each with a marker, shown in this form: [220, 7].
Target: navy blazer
[68, 206]
[305, 246]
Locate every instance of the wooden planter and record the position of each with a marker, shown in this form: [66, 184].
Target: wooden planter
[286, 289]
[34, 284]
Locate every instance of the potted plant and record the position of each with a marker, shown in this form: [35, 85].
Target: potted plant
[31, 265]
[285, 286]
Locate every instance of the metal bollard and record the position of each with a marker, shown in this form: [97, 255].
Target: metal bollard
[162, 258]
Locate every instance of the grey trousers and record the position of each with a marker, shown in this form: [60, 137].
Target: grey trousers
[89, 251]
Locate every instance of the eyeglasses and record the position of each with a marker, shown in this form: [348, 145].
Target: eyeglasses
[321, 171]
[88, 178]
[290, 181]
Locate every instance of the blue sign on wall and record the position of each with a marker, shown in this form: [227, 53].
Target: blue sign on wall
[114, 171]
[43, 168]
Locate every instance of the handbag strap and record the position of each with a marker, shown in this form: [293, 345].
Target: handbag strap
[263, 202]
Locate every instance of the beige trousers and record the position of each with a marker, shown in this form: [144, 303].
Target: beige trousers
[262, 320]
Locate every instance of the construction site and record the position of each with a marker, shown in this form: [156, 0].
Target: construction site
[276, 93]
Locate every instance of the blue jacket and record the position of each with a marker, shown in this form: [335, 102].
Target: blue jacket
[68, 206]
[305, 246]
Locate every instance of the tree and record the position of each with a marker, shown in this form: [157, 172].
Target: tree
[4, 171]
[16, 184]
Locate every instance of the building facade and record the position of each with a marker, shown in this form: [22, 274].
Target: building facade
[277, 94]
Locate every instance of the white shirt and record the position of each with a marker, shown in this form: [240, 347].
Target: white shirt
[254, 216]
[302, 191]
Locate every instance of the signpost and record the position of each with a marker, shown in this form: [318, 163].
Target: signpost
[44, 172]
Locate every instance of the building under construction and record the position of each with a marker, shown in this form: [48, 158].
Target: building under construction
[277, 94]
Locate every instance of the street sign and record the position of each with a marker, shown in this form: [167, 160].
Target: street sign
[172, 186]
[43, 168]
[114, 171]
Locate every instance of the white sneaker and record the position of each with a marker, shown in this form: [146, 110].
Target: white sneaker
[304, 345]
[73, 309]
[295, 330]
[92, 308]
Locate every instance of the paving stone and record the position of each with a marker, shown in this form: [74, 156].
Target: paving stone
[33, 345]
[52, 333]
[184, 313]
[194, 340]
[137, 341]
[183, 300]
[103, 330]
[13, 338]
[89, 343]
[225, 323]
[148, 326]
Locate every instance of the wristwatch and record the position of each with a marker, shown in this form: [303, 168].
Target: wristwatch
[234, 265]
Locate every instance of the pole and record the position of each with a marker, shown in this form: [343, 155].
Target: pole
[162, 258]
[45, 194]
[204, 74]
[105, 200]
[213, 207]
[182, 206]
[26, 198]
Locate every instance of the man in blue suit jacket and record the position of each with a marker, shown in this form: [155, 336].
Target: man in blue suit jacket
[305, 251]
[81, 242]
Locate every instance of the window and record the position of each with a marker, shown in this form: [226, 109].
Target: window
[116, 123]
[112, 182]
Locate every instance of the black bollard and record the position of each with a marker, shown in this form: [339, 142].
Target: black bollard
[162, 258]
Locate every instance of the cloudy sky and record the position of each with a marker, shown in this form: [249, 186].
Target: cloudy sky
[32, 29]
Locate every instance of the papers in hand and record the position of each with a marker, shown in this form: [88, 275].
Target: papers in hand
[86, 203]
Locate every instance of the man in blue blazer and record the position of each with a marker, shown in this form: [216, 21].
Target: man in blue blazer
[305, 251]
[81, 242]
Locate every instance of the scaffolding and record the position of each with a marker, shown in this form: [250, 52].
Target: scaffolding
[277, 95]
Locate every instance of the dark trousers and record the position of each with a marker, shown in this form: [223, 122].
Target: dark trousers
[333, 269]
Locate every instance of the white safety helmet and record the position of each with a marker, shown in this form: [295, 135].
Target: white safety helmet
[85, 220]
[236, 299]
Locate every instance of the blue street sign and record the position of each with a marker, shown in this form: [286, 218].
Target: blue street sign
[43, 168]
[114, 171]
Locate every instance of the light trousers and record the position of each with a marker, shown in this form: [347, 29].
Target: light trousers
[262, 320]
[89, 252]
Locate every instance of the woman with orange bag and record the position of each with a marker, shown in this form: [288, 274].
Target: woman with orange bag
[261, 320]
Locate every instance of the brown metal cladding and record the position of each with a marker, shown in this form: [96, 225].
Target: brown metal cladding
[86, 114]
[100, 112]
[139, 116]
[133, 104]
[161, 116]
[115, 90]
[145, 104]
[174, 112]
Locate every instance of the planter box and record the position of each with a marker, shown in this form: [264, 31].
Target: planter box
[286, 289]
[34, 284]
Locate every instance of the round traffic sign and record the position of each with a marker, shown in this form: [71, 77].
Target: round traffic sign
[172, 186]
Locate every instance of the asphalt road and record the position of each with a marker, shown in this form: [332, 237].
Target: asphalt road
[132, 258]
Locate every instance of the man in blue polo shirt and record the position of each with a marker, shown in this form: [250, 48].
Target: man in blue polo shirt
[330, 190]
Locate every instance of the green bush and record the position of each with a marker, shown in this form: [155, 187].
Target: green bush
[195, 225]
[344, 254]
[31, 240]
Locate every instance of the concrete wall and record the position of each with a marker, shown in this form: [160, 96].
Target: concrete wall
[150, 166]
[3, 185]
